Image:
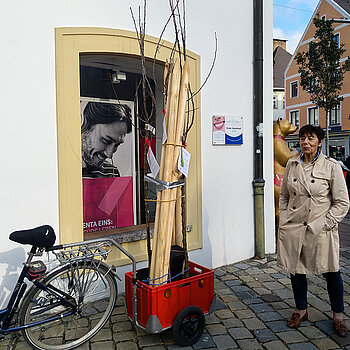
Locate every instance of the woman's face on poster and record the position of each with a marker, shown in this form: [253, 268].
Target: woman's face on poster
[101, 142]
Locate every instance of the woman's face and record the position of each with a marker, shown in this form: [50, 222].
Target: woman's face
[309, 144]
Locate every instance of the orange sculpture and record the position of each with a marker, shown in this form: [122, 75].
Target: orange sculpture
[281, 128]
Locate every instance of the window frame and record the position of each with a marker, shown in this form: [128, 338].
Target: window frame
[291, 88]
[290, 117]
[339, 114]
[69, 44]
[318, 115]
[274, 102]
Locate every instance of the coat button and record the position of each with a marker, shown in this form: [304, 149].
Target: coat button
[309, 195]
[305, 224]
[294, 180]
[309, 210]
[312, 181]
[289, 221]
[294, 207]
[295, 193]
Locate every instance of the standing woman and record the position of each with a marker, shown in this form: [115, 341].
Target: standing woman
[313, 200]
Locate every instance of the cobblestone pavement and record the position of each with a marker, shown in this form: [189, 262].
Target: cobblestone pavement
[254, 301]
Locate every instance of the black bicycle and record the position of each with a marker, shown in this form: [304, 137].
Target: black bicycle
[68, 305]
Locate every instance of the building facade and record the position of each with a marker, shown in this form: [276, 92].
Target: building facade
[299, 109]
[56, 58]
[281, 58]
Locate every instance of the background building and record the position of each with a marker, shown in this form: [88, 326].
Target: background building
[299, 109]
[281, 58]
[52, 48]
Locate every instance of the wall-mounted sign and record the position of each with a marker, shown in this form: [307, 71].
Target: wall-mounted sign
[227, 130]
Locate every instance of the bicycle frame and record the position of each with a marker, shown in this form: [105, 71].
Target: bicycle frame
[6, 315]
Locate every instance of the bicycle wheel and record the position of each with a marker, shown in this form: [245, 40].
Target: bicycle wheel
[90, 286]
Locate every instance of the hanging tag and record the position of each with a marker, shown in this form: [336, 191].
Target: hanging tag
[165, 136]
[150, 128]
[152, 161]
[184, 161]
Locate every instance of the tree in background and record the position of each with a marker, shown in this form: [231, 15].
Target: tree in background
[321, 72]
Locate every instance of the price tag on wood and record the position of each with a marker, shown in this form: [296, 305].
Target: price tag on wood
[184, 161]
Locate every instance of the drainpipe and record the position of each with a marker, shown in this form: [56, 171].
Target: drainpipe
[259, 181]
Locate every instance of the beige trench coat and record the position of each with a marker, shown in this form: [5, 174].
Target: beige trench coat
[310, 209]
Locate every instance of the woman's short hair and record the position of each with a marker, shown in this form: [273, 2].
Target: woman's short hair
[105, 113]
[311, 129]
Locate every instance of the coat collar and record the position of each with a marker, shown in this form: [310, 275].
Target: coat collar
[318, 171]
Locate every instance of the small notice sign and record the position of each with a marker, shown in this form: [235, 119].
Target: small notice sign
[153, 164]
[184, 161]
[227, 130]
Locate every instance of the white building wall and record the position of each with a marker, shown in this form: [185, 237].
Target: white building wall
[29, 180]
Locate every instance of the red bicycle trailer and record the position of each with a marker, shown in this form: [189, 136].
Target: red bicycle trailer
[180, 304]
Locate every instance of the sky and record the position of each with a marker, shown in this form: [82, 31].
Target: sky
[290, 19]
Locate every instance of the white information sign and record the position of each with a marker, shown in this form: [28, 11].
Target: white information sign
[227, 130]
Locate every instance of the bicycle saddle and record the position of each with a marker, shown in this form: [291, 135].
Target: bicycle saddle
[41, 237]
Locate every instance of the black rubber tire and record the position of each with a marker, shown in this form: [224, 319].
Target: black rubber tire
[188, 326]
[89, 285]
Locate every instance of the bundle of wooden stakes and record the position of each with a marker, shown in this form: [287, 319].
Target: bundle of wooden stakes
[168, 222]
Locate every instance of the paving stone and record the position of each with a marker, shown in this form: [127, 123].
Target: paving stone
[223, 314]
[219, 305]
[216, 329]
[263, 307]
[212, 319]
[244, 295]
[228, 277]
[122, 326]
[224, 342]
[240, 288]
[284, 293]
[261, 291]
[159, 347]
[275, 345]
[249, 344]
[277, 275]
[279, 305]
[219, 272]
[244, 313]
[241, 266]
[177, 347]
[273, 285]
[103, 334]
[253, 323]
[219, 285]
[237, 305]
[342, 341]
[240, 333]
[123, 336]
[223, 291]
[148, 340]
[319, 304]
[326, 326]
[108, 345]
[228, 298]
[315, 315]
[232, 323]
[264, 335]
[264, 277]
[270, 298]
[205, 342]
[269, 316]
[302, 346]
[291, 337]
[252, 301]
[311, 332]
[233, 283]
[325, 343]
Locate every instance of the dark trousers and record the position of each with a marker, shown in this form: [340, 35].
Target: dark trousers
[334, 286]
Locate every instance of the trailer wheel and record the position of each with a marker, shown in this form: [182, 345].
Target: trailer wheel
[189, 325]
